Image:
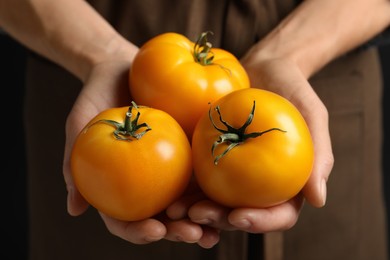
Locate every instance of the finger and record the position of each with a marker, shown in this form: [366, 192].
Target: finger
[76, 204]
[277, 218]
[317, 119]
[189, 232]
[138, 232]
[209, 213]
[180, 208]
[183, 231]
[315, 188]
[209, 238]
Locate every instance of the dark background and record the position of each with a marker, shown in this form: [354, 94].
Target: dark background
[14, 228]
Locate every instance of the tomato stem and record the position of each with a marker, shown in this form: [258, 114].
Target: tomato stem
[129, 129]
[234, 136]
[202, 50]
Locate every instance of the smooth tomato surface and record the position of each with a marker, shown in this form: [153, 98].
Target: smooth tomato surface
[132, 179]
[261, 171]
[166, 75]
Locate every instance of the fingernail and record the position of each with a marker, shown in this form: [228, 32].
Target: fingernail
[241, 223]
[152, 239]
[205, 221]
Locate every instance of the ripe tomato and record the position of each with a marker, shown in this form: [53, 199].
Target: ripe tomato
[271, 150]
[131, 177]
[181, 77]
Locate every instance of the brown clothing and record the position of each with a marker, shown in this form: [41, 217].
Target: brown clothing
[350, 226]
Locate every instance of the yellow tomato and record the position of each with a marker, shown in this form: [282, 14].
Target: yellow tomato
[181, 77]
[252, 149]
[131, 163]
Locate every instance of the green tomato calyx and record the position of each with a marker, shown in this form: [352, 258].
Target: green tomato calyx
[202, 50]
[129, 130]
[234, 136]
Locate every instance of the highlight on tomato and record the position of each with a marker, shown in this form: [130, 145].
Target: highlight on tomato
[252, 149]
[176, 75]
[131, 162]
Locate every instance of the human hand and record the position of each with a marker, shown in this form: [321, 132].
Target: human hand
[203, 211]
[283, 77]
[106, 87]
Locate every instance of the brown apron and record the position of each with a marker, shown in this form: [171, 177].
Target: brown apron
[350, 226]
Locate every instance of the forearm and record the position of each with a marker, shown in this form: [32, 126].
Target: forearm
[319, 31]
[68, 32]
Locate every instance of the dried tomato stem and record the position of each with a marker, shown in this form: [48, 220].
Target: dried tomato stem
[234, 136]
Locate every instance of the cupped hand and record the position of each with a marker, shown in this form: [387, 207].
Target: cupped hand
[253, 220]
[285, 78]
[106, 87]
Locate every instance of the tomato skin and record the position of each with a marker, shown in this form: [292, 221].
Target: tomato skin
[262, 171]
[132, 180]
[165, 75]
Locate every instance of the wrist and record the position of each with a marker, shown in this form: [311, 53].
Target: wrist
[317, 32]
[116, 49]
[291, 42]
[93, 48]
[50, 29]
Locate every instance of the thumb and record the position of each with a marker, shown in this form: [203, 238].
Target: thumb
[315, 190]
[76, 204]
